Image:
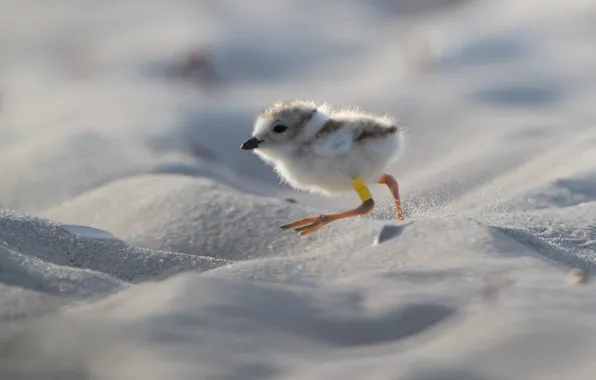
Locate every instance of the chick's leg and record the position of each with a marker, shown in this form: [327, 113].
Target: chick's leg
[313, 223]
[389, 180]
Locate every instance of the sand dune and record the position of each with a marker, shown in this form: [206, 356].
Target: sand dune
[47, 241]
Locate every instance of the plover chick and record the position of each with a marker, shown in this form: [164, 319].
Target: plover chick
[315, 148]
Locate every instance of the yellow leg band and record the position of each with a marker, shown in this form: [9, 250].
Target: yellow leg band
[361, 189]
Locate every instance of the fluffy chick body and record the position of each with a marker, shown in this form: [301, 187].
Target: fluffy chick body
[322, 150]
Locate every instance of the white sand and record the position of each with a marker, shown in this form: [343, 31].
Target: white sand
[138, 242]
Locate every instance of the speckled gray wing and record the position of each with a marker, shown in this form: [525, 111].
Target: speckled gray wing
[333, 140]
[375, 131]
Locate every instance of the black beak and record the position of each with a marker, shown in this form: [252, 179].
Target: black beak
[251, 144]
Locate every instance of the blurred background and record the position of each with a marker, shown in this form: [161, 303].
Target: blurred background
[92, 91]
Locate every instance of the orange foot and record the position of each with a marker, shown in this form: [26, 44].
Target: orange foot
[313, 223]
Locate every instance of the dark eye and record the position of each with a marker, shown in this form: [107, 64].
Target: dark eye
[279, 128]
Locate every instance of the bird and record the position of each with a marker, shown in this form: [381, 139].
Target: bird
[314, 147]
